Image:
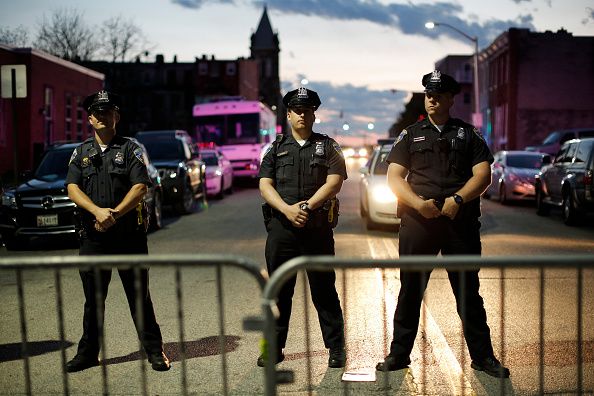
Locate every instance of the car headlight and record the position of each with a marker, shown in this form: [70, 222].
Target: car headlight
[9, 200]
[383, 194]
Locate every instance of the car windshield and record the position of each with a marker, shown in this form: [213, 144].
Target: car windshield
[54, 165]
[210, 159]
[164, 148]
[524, 161]
[552, 138]
[381, 166]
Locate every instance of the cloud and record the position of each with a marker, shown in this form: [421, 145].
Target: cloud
[408, 18]
[589, 16]
[358, 105]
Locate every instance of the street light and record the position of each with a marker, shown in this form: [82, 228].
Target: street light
[431, 25]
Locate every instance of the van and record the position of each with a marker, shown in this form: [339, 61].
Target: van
[552, 143]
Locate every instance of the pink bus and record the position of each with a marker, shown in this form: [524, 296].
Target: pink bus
[241, 129]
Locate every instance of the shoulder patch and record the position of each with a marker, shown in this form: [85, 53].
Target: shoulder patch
[72, 157]
[337, 148]
[401, 136]
[138, 154]
[478, 133]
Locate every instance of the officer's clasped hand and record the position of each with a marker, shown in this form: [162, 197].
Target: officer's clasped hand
[105, 218]
[297, 216]
[428, 209]
[450, 208]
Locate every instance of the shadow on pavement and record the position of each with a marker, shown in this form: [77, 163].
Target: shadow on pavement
[208, 346]
[14, 351]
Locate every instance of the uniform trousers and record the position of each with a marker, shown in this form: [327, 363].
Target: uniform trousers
[285, 242]
[421, 236]
[149, 331]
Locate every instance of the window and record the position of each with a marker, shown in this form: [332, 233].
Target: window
[570, 152]
[202, 68]
[68, 116]
[79, 119]
[584, 150]
[48, 110]
[231, 69]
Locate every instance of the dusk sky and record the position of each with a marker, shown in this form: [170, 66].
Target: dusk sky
[363, 57]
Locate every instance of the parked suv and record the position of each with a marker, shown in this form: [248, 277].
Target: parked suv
[183, 174]
[40, 207]
[552, 143]
[567, 182]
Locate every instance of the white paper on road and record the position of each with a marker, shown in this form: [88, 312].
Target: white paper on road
[359, 375]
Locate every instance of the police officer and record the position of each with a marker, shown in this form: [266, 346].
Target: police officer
[438, 168]
[107, 179]
[299, 179]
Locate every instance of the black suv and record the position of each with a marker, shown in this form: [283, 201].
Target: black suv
[40, 207]
[183, 174]
[567, 182]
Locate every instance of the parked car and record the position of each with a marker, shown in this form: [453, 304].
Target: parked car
[552, 143]
[219, 172]
[377, 203]
[183, 174]
[40, 207]
[567, 182]
[512, 174]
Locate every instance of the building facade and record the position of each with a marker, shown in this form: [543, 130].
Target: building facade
[460, 67]
[534, 83]
[51, 111]
[160, 95]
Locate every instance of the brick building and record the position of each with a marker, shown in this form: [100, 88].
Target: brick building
[533, 83]
[460, 67]
[51, 110]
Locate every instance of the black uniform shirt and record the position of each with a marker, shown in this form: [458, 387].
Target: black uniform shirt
[299, 171]
[107, 176]
[439, 164]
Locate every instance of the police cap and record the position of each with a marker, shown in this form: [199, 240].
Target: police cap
[439, 82]
[302, 97]
[102, 100]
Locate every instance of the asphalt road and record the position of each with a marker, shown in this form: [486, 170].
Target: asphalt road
[440, 362]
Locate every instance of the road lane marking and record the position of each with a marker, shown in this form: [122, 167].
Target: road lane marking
[448, 364]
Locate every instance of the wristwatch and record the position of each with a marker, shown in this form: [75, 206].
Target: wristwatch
[458, 199]
[304, 206]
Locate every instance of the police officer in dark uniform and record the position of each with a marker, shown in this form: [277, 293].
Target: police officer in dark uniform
[299, 179]
[438, 168]
[107, 179]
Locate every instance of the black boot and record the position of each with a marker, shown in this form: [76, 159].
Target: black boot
[81, 362]
[337, 358]
[491, 366]
[159, 361]
[262, 358]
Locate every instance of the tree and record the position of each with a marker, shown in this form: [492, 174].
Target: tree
[413, 110]
[121, 39]
[17, 37]
[65, 34]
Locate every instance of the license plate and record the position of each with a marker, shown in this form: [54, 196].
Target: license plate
[47, 220]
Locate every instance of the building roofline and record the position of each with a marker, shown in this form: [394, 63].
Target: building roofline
[55, 59]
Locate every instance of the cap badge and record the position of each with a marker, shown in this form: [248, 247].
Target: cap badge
[302, 93]
[435, 76]
[102, 96]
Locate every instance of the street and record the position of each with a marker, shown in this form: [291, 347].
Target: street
[440, 361]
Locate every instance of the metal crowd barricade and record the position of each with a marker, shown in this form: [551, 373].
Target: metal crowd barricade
[134, 262]
[291, 268]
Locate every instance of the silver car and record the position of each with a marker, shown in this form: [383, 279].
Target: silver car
[377, 203]
[512, 175]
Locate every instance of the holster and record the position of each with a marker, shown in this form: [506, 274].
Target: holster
[266, 214]
[325, 216]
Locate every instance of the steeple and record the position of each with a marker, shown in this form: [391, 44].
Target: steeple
[264, 38]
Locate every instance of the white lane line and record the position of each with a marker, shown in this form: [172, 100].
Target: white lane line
[448, 364]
